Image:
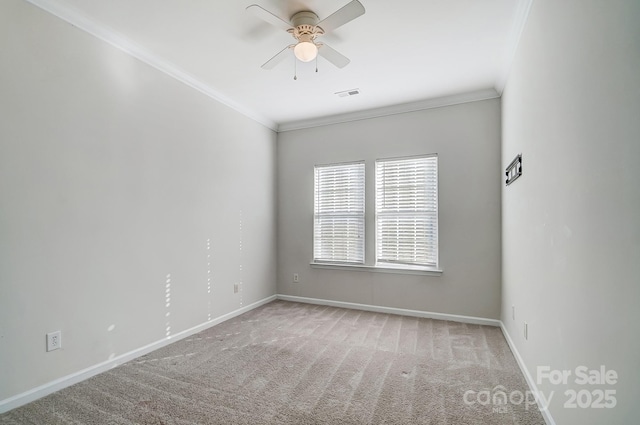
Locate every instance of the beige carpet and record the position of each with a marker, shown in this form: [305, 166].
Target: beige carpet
[289, 363]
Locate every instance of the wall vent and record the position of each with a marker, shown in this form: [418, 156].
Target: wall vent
[346, 93]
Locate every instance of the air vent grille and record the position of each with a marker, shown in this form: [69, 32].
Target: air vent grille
[351, 92]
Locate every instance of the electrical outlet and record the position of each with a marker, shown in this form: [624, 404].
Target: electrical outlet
[296, 278]
[526, 330]
[236, 287]
[54, 340]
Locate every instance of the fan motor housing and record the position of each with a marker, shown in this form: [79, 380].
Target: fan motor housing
[304, 18]
[304, 27]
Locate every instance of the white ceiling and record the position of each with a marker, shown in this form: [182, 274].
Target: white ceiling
[410, 53]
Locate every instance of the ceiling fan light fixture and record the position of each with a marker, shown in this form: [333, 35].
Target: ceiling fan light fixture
[305, 51]
[305, 27]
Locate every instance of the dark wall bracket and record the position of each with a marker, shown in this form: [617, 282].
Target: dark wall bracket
[514, 170]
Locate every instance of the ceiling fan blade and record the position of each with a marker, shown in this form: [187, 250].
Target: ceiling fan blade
[347, 13]
[269, 17]
[279, 57]
[333, 56]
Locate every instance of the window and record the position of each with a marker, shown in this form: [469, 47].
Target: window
[338, 229]
[407, 212]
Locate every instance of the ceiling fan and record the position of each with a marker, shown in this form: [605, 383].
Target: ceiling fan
[306, 27]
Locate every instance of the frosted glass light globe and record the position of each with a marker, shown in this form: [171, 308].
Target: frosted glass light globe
[306, 51]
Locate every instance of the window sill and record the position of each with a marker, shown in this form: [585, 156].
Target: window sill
[377, 269]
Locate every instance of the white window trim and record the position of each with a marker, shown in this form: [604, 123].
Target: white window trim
[391, 265]
[378, 269]
[386, 267]
[363, 236]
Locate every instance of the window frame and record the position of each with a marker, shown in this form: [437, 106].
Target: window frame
[370, 248]
[362, 236]
[428, 217]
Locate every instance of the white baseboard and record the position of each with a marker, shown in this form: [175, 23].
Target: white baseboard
[392, 310]
[66, 381]
[546, 415]
[439, 316]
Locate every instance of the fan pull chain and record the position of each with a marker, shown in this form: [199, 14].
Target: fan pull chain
[295, 69]
[316, 63]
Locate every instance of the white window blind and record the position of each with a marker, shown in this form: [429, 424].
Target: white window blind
[407, 212]
[338, 230]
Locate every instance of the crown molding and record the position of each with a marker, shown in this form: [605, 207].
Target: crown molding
[519, 22]
[124, 44]
[391, 110]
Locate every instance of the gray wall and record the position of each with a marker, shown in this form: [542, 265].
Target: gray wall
[571, 223]
[467, 140]
[113, 176]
